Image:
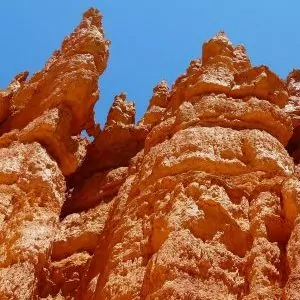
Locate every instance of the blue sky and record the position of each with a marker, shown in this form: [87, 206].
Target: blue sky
[151, 40]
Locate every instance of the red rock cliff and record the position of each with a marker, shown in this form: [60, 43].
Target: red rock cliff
[198, 200]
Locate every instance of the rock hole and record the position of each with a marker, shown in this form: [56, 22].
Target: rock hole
[86, 135]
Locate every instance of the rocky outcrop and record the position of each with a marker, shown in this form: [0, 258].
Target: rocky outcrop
[198, 200]
[41, 121]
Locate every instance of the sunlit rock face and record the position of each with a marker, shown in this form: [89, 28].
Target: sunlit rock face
[197, 200]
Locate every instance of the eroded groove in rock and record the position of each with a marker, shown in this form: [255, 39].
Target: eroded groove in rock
[198, 200]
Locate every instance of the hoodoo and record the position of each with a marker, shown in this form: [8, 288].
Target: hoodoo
[197, 200]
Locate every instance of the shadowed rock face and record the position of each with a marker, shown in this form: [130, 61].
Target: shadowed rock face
[198, 200]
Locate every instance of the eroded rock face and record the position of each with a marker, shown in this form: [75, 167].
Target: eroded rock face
[41, 121]
[198, 200]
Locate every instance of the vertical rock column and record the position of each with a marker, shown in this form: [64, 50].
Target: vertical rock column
[200, 215]
[292, 196]
[40, 144]
[32, 192]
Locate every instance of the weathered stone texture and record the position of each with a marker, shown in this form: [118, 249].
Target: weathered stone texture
[198, 200]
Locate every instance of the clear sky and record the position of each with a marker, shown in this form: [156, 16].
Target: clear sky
[151, 40]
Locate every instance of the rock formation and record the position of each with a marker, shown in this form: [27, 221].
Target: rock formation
[198, 200]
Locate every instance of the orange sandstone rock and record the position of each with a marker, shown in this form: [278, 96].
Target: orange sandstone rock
[41, 122]
[198, 200]
[201, 215]
[69, 79]
[32, 193]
